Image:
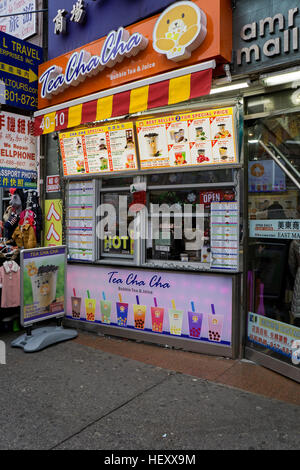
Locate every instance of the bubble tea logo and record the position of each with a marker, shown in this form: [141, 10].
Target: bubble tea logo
[2, 353]
[179, 30]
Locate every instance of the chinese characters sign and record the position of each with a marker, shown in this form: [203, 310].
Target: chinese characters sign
[19, 61]
[272, 334]
[199, 138]
[19, 26]
[53, 222]
[99, 150]
[283, 229]
[17, 152]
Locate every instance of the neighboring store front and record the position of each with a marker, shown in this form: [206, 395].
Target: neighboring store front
[266, 42]
[178, 290]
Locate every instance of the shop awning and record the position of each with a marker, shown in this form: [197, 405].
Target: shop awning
[131, 98]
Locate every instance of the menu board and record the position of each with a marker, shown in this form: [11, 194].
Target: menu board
[80, 221]
[224, 235]
[102, 149]
[197, 138]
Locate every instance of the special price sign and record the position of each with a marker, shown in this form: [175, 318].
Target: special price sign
[99, 149]
[200, 138]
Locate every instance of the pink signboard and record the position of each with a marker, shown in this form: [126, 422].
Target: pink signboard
[183, 305]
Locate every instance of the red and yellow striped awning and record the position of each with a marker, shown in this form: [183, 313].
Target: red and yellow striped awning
[164, 93]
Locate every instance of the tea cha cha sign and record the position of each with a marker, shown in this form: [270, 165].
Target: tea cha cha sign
[179, 30]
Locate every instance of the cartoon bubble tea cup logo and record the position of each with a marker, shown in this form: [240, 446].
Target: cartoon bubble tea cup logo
[179, 30]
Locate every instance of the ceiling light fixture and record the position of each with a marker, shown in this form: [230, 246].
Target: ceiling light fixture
[274, 79]
[231, 87]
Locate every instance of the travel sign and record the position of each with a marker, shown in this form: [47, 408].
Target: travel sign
[19, 61]
[184, 34]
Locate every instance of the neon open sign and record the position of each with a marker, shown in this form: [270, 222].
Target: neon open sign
[118, 45]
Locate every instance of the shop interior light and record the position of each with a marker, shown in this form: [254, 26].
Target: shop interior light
[231, 87]
[293, 75]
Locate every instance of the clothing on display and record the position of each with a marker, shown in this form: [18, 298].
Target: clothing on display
[10, 280]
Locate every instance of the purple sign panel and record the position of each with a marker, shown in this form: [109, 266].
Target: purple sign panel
[194, 307]
[74, 23]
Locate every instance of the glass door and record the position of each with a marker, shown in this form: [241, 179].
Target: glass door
[273, 274]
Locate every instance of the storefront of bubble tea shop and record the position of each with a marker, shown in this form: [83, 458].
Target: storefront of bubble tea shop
[139, 134]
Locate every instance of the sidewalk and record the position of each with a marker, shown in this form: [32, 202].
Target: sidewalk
[96, 392]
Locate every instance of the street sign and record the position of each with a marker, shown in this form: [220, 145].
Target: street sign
[19, 61]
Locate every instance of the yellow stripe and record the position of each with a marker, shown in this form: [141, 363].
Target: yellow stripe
[49, 123]
[104, 108]
[179, 89]
[74, 117]
[139, 99]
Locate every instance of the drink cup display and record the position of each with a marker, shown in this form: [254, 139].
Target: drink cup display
[215, 325]
[90, 309]
[195, 324]
[44, 285]
[151, 143]
[139, 313]
[223, 153]
[122, 313]
[105, 307]
[157, 315]
[76, 306]
[175, 318]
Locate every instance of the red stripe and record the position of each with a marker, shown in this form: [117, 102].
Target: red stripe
[158, 94]
[89, 111]
[37, 123]
[201, 83]
[121, 103]
[61, 119]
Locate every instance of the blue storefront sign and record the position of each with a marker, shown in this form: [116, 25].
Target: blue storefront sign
[74, 23]
[19, 61]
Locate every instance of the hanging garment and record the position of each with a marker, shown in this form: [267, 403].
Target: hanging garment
[10, 280]
[28, 217]
[24, 236]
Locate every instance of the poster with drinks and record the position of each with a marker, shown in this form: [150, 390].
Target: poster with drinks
[104, 149]
[178, 305]
[197, 138]
[43, 272]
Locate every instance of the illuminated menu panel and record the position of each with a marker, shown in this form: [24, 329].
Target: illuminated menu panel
[104, 149]
[198, 138]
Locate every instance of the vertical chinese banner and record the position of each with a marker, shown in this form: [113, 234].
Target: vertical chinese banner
[53, 222]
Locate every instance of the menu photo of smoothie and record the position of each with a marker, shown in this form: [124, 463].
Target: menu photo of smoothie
[177, 132]
[153, 146]
[201, 153]
[223, 151]
[43, 287]
[199, 130]
[90, 307]
[179, 155]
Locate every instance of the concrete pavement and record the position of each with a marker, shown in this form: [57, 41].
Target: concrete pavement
[93, 393]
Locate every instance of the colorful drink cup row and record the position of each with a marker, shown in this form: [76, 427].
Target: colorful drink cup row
[139, 313]
[175, 319]
[157, 317]
[122, 312]
[105, 308]
[76, 305]
[90, 307]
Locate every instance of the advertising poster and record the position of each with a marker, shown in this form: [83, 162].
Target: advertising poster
[151, 301]
[272, 334]
[53, 222]
[42, 284]
[200, 138]
[17, 152]
[104, 149]
[283, 205]
[80, 222]
[265, 175]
